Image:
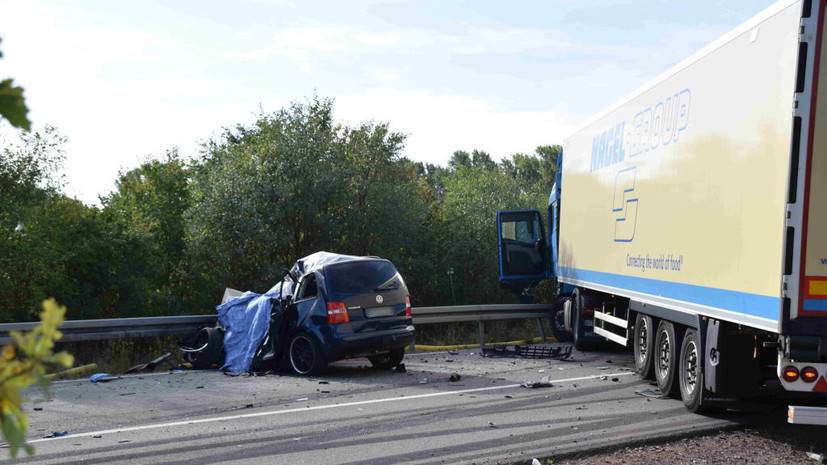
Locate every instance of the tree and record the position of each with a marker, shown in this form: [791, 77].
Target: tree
[148, 207]
[296, 182]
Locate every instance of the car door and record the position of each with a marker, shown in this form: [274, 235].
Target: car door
[308, 302]
[521, 241]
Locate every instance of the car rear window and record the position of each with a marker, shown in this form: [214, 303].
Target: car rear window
[359, 277]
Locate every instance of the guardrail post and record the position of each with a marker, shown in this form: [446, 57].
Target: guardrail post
[482, 333]
[542, 333]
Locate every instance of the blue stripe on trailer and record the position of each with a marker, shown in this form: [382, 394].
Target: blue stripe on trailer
[756, 305]
[815, 305]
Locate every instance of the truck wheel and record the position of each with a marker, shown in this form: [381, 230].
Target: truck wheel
[305, 355]
[558, 321]
[691, 372]
[388, 360]
[643, 336]
[666, 358]
[577, 329]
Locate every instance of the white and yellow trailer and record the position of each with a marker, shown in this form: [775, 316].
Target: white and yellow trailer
[690, 218]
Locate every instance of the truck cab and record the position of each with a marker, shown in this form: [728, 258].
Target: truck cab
[527, 258]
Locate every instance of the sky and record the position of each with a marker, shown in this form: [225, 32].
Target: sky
[126, 81]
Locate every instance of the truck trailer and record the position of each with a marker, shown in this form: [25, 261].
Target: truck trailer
[689, 219]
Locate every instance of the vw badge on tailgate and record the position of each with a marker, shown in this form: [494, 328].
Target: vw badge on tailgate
[379, 299]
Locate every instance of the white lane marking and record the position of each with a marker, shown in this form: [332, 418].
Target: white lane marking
[307, 409]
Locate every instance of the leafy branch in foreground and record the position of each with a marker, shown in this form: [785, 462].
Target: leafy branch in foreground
[17, 373]
[13, 105]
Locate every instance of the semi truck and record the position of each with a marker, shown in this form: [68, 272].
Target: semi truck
[689, 219]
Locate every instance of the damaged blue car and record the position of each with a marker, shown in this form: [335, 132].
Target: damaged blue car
[327, 307]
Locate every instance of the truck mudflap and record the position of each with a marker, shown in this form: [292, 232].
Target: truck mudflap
[801, 415]
[802, 376]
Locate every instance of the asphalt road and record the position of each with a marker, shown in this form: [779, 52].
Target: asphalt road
[354, 414]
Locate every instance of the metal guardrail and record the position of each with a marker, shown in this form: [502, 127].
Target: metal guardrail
[118, 328]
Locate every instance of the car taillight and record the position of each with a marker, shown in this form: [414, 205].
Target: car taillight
[336, 313]
[790, 374]
[809, 374]
[408, 307]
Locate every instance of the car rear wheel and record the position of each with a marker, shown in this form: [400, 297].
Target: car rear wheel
[305, 355]
[388, 360]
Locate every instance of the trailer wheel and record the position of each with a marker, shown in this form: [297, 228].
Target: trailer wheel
[643, 336]
[691, 373]
[666, 358]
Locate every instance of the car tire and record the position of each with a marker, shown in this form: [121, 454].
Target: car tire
[211, 339]
[643, 345]
[305, 355]
[665, 359]
[388, 360]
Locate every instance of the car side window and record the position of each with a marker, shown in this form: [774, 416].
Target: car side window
[307, 289]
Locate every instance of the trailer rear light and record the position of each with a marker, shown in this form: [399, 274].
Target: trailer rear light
[336, 313]
[408, 306]
[809, 374]
[790, 374]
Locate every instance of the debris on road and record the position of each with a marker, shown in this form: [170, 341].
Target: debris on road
[454, 377]
[146, 367]
[543, 383]
[819, 458]
[73, 371]
[204, 349]
[544, 351]
[491, 424]
[400, 368]
[651, 394]
[103, 378]
[56, 434]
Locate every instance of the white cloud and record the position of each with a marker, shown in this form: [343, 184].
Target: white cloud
[438, 125]
[383, 75]
[377, 39]
[298, 43]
